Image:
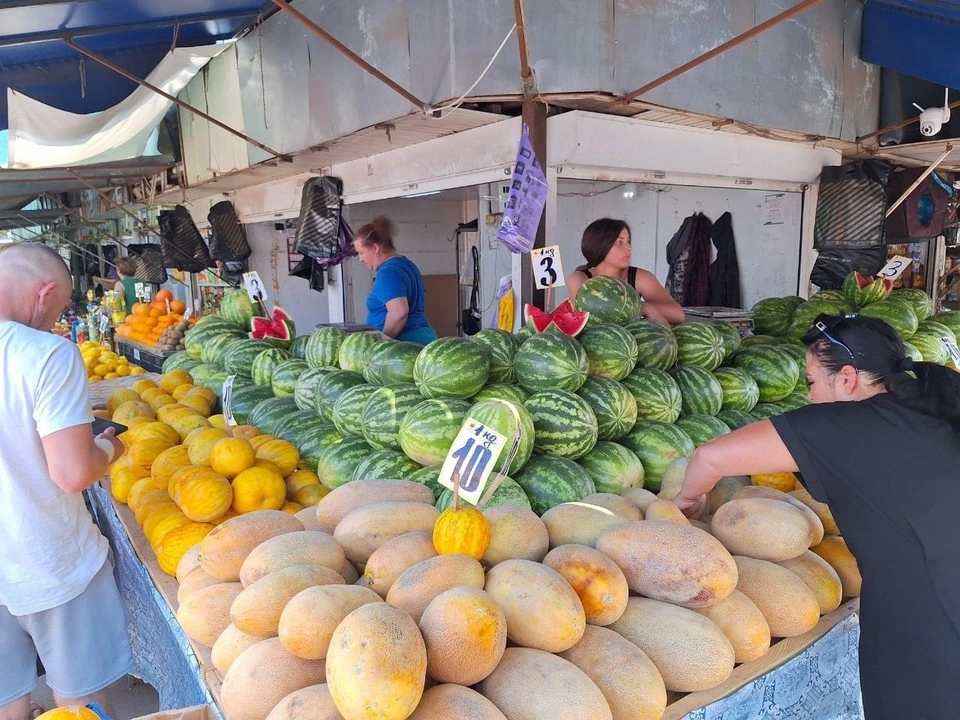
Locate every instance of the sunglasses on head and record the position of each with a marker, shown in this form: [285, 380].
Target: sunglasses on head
[826, 325]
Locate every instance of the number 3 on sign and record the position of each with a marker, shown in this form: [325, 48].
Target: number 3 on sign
[547, 268]
[895, 268]
[472, 456]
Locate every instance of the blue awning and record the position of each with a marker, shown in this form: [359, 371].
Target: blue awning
[134, 34]
[915, 37]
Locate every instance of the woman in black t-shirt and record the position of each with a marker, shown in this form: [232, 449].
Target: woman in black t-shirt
[881, 446]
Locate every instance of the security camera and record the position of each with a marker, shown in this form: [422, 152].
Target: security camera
[933, 119]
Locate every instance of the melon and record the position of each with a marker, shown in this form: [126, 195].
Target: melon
[515, 532]
[466, 633]
[665, 511]
[205, 614]
[679, 564]
[189, 562]
[724, 491]
[310, 703]
[834, 550]
[196, 580]
[223, 551]
[257, 609]
[758, 491]
[820, 577]
[443, 702]
[531, 684]
[543, 611]
[641, 497]
[596, 579]
[417, 586]
[376, 665]
[310, 617]
[343, 500]
[616, 504]
[822, 510]
[389, 561]
[788, 605]
[741, 621]
[628, 679]
[262, 676]
[368, 527]
[228, 647]
[308, 516]
[762, 528]
[689, 650]
[578, 523]
[304, 547]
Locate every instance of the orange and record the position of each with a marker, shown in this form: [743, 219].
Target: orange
[164, 295]
[178, 306]
[140, 309]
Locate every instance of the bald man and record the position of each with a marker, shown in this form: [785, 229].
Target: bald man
[58, 597]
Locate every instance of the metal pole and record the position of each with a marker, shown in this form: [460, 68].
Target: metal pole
[350, 54]
[916, 183]
[734, 42]
[186, 106]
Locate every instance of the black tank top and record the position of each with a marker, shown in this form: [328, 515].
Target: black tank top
[631, 275]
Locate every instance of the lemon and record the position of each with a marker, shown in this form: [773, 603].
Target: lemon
[122, 370]
[95, 378]
[101, 370]
[123, 360]
[137, 370]
[110, 376]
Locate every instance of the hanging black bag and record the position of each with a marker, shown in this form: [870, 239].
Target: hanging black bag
[228, 239]
[470, 318]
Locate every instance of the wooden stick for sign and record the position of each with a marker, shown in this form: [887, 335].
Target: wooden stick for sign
[548, 302]
[456, 491]
[916, 183]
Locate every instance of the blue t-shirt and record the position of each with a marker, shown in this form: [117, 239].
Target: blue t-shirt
[398, 277]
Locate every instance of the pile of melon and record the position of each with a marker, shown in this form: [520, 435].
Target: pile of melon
[601, 609]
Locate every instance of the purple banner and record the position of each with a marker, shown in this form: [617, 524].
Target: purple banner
[528, 194]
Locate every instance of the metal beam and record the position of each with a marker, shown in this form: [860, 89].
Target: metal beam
[720, 49]
[351, 55]
[180, 103]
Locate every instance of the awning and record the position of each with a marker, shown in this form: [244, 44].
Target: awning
[914, 37]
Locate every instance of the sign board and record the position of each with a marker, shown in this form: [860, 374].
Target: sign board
[227, 399]
[142, 291]
[547, 268]
[472, 456]
[952, 350]
[895, 268]
[255, 287]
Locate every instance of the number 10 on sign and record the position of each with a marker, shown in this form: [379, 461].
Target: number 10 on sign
[471, 459]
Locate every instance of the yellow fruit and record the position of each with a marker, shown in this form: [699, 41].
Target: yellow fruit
[217, 421]
[223, 551]
[173, 379]
[281, 453]
[762, 528]
[205, 614]
[90, 345]
[173, 410]
[152, 429]
[158, 401]
[309, 619]
[267, 465]
[123, 360]
[209, 395]
[101, 369]
[300, 478]
[201, 445]
[127, 461]
[70, 712]
[90, 363]
[596, 579]
[578, 523]
[149, 502]
[161, 521]
[258, 440]
[784, 482]
[393, 558]
[515, 532]
[94, 378]
[136, 370]
[110, 376]
[417, 586]
[205, 496]
[231, 456]
[149, 393]
[368, 527]
[125, 412]
[309, 495]
[122, 370]
[302, 547]
[229, 646]
[834, 550]
[137, 491]
[120, 397]
[195, 402]
[187, 422]
[144, 452]
[257, 609]
[120, 483]
[464, 531]
[739, 618]
[291, 507]
[167, 463]
[258, 489]
[247, 432]
[180, 476]
[347, 498]
[181, 390]
[787, 603]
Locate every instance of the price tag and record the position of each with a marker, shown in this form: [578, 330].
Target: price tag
[187, 313]
[547, 268]
[895, 268]
[136, 354]
[227, 399]
[142, 291]
[472, 456]
[952, 350]
[104, 323]
[254, 286]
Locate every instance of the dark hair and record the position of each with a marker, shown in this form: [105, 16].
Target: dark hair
[874, 348]
[378, 231]
[126, 266]
[598, 237]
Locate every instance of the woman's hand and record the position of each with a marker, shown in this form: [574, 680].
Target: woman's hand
[690, 508]
[397, 311]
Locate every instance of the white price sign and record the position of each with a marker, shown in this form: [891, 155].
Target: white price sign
[547, 268]
[227, 398]
[472, 456]
[142, 291]
[895, 268]
[952, 350]
[254, 286]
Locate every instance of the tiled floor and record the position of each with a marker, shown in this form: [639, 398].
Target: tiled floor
[130, 699]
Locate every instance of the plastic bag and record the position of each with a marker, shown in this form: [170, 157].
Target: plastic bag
[834, 264]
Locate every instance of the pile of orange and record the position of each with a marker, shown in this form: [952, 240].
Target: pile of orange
[147, 321]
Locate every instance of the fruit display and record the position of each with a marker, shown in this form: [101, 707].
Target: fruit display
[159, 323]
[104, 364]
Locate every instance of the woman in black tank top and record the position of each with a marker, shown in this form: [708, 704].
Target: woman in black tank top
[606, 247]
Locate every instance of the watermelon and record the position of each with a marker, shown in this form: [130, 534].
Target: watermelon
[702, 428]
[451, 367]
[353, 350]
[735, 419]
[794, 401]
[549, 481]
[340, 459]
[613, 405]
[428, 429]
[200, 373]
[323, 347]
[730, 336]
[501, 391]
[261, 370]
[805, 315]
[772, 316]
[859, 291]
[429, 477]
[246, 398]
[213, 350]
[917, 299]
[349, 407]
[898, 314]
[385, 465]
[799, 355]
[608, 300]
[700, 392]
[802, 383]
[765, 411]
[179, 361]
[657, 444]
[237, 307]
[298, 348]
[501, 346]
[612, 467]
[389, 363]
[657, 394]
[937, 329]
[551, 360]
[774, 370]
[564, 319]
[911, 351]
[509, 493]
[305, 390]
[499, 416]
[950, 319]
[331, 388]
[564, 424]
[314, 441]
[611, 350]
[266, 415]
[524, 332]
[740, 390]
[931, 348]
[238, 358]
[700, 344]
[831, 296]
[794, 300]
[656, 344]
[296, 424]
[754, 340]
[384, 410]
[278, 329]
[285, 376]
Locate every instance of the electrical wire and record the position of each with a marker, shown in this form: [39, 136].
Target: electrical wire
[455, 105]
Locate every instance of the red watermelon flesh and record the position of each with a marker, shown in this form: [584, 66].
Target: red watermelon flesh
[563, 319]
[278, 329]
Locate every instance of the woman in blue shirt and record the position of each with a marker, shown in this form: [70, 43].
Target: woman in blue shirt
[395, 306]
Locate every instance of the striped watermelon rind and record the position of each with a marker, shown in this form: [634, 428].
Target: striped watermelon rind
[451, 367]
[774, 370]
[390, 363]
[611, 350]
[180, 360]
[731, 338]
[245, 399]
[285, 376]
[614, 406]
[349, 408]
[765, 411]
[898, 314]
[700, 391]
[501, 391]
[917, 299]
[657, 444]
[509, 493]
[656, 344]
[331, 388]
[305, 391]
[794, 401]
[323, 347]
[612, 467]
[740, 390]
[501, 346]
[314, 441]
[261, 370]
[550, 481]
[339, 460]
[951, 319]
[237, 308]
[429, 428]
[238, 359]
[608, 300]
[804, 315]
[498, 415]
[383, 412]
[267, 415]
[564, 424]
[657, 394]
[772, 316]
[385, 465]
[551, 360]
[353, 350]
[700, 344]
[296, 424]
[429, 477]
[214, 349]
[735, 419]
[702, 428]
[931, 347]
[298, 348]
[205, 330]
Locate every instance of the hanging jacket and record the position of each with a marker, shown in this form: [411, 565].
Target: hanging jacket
[725, 270]
[688, 254]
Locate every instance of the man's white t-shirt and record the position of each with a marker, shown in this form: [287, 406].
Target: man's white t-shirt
[50, 549]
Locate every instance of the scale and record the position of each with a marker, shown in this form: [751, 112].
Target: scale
[742, 320]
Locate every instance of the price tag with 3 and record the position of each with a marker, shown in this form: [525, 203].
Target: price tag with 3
[227, 398]
[895, 268]
[472, 456]
[547, 268]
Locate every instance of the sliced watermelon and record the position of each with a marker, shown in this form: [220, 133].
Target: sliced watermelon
[278, 329]
[564, 319]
